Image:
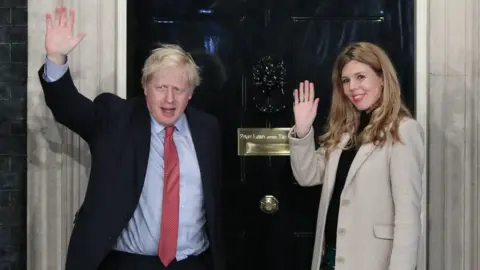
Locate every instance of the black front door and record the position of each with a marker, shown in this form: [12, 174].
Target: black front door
[253, 53]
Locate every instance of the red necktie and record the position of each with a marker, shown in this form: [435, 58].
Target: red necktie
[167, 247]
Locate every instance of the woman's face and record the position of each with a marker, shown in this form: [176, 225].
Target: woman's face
[361, 84]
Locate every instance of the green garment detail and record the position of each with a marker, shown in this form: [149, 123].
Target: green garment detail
[328, 260]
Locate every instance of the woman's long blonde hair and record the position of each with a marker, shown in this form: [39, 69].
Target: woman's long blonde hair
[345, 118]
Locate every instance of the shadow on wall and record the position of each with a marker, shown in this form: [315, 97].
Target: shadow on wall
[53, 134]
[56, 138]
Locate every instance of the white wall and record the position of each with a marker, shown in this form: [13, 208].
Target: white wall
[58, 161]
[453, 126]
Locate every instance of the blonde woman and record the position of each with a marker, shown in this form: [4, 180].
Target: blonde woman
[370, 163]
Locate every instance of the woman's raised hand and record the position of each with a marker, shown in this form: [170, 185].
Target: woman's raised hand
[305, 108]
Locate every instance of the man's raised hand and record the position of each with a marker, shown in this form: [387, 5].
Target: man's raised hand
[59, 38]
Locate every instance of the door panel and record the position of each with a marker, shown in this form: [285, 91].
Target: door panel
[333, 8]
[233, 42]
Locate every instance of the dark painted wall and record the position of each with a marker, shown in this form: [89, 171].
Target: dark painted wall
[13, 159]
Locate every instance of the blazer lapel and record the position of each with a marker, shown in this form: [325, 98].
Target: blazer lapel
[141, 141]
[363, 153]
[333, 160]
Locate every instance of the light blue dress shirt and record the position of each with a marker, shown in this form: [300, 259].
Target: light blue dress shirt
[142, 234]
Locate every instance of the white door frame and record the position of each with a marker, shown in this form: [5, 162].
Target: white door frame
[421, 109]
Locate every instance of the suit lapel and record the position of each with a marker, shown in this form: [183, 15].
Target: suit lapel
[363, 153]
[141, 141]
[200, 137]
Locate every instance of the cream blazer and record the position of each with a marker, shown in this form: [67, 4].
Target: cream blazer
[379, 218]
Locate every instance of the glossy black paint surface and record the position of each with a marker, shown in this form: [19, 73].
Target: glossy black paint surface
[227, 39]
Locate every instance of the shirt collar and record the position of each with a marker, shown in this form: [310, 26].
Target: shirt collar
[180, 125]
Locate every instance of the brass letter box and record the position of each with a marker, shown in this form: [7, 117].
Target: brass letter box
[263, 141]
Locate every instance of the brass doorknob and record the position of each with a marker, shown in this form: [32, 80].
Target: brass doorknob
[269, 204]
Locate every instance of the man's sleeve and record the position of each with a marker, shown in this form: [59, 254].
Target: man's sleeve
[52, 71]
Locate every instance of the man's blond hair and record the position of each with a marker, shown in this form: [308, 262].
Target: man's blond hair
[167, 56]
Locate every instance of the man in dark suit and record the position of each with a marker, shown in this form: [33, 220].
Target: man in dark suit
[152, 200]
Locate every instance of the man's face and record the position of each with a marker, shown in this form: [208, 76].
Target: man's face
[167, 95]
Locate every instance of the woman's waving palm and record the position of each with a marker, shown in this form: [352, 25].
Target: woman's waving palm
[305, 107]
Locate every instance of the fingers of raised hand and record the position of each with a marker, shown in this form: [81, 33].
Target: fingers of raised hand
[304, 93]
[307, 92]
[72, 19]
[301, 94]
[48, 20]
[61, 16]
[58, 15]
[311, 92]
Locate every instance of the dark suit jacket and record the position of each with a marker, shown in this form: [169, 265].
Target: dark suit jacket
[118, 134]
